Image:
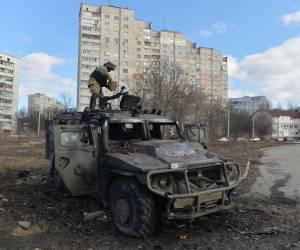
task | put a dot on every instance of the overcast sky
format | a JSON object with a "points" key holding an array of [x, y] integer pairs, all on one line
{"points": [[260, 37]]}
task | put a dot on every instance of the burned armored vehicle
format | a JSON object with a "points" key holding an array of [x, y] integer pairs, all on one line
{"points": [[143, 167]]}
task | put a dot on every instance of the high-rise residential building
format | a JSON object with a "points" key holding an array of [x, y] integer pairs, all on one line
{"points": [[9, 92], [41, 103], [109, 33], [249, 104]]}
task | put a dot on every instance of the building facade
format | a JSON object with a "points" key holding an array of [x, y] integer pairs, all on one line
{"points": [[44, 104], [109, 33], [249, 104], [9, 92], [285, 124]]}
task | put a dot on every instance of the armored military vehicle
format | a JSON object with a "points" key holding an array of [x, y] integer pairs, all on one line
{"points": [[143, 167]]}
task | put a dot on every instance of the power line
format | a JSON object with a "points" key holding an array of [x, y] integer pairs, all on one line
{"points": [[43, 42]]}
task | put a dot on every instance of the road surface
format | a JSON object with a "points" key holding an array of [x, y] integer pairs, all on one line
{"points": [[280, 174]]}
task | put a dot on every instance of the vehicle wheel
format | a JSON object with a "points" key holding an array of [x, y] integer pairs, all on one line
{"points": [[133, 208]]}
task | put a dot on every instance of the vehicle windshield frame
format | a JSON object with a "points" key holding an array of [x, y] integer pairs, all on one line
{"points": [[127, 121], [164, 123]]}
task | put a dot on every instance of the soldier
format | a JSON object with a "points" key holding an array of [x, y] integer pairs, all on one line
{"points": [[99, 78]]}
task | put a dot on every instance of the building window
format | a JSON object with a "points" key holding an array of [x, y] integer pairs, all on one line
{"points": [[96, 14], [125, 70], [126, 19], [107, 16], [126, 26]]}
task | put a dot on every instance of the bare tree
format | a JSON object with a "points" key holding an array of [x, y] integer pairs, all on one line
{"points": [[67, 101], [240, 124], [21, 119], [263, 124], [163, 86], [166, 87]]}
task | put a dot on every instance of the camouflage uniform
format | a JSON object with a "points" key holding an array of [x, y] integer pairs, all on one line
{"points": [[100, 78]]}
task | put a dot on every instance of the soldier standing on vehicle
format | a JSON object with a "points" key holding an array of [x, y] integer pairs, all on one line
{"points": [[99, 78]]}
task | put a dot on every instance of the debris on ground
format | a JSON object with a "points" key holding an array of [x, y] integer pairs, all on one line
{"points": [[24, 224], [94, 215], [57, 218], [183, 236], [21, 232], [268, 230], [23, 174]]}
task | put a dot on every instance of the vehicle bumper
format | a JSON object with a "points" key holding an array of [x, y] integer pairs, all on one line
{"points": [[195, 204]]}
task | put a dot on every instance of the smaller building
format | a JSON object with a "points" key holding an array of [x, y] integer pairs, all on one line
{"points": [[249, 104], [42, 103], [285, 124]]}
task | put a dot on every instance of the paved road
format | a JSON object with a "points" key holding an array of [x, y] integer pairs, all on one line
{"points": [[280, 174]]}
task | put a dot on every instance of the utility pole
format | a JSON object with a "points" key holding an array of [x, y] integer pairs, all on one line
{"points": [[228, 123], [252, 126], [39, 122]]}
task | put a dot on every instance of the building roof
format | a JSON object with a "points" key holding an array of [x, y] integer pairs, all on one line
{"points": [[247, 97], [1, 53], [281, 112], [104, 5]]}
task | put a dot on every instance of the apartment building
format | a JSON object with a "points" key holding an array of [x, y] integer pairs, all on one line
{"points": [[249, 104], [109, 33], [42, 103], [9, 92], [285, 124]]}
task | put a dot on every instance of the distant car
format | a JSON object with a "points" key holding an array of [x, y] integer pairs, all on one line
{"points": [[284, 139], [223, 139], [241, 139], [255, 139]]}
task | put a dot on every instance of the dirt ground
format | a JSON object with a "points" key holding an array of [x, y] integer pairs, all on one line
{"points": [[26, 194]]}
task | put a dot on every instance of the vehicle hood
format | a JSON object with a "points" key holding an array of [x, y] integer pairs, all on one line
{"points": [[162, 154], [173, 152]]}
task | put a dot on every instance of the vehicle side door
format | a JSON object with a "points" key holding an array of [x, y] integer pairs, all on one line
{"points": [[76, 157]]}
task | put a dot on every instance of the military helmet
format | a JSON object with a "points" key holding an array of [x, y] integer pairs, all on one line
{"points": [[110, 65]]}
